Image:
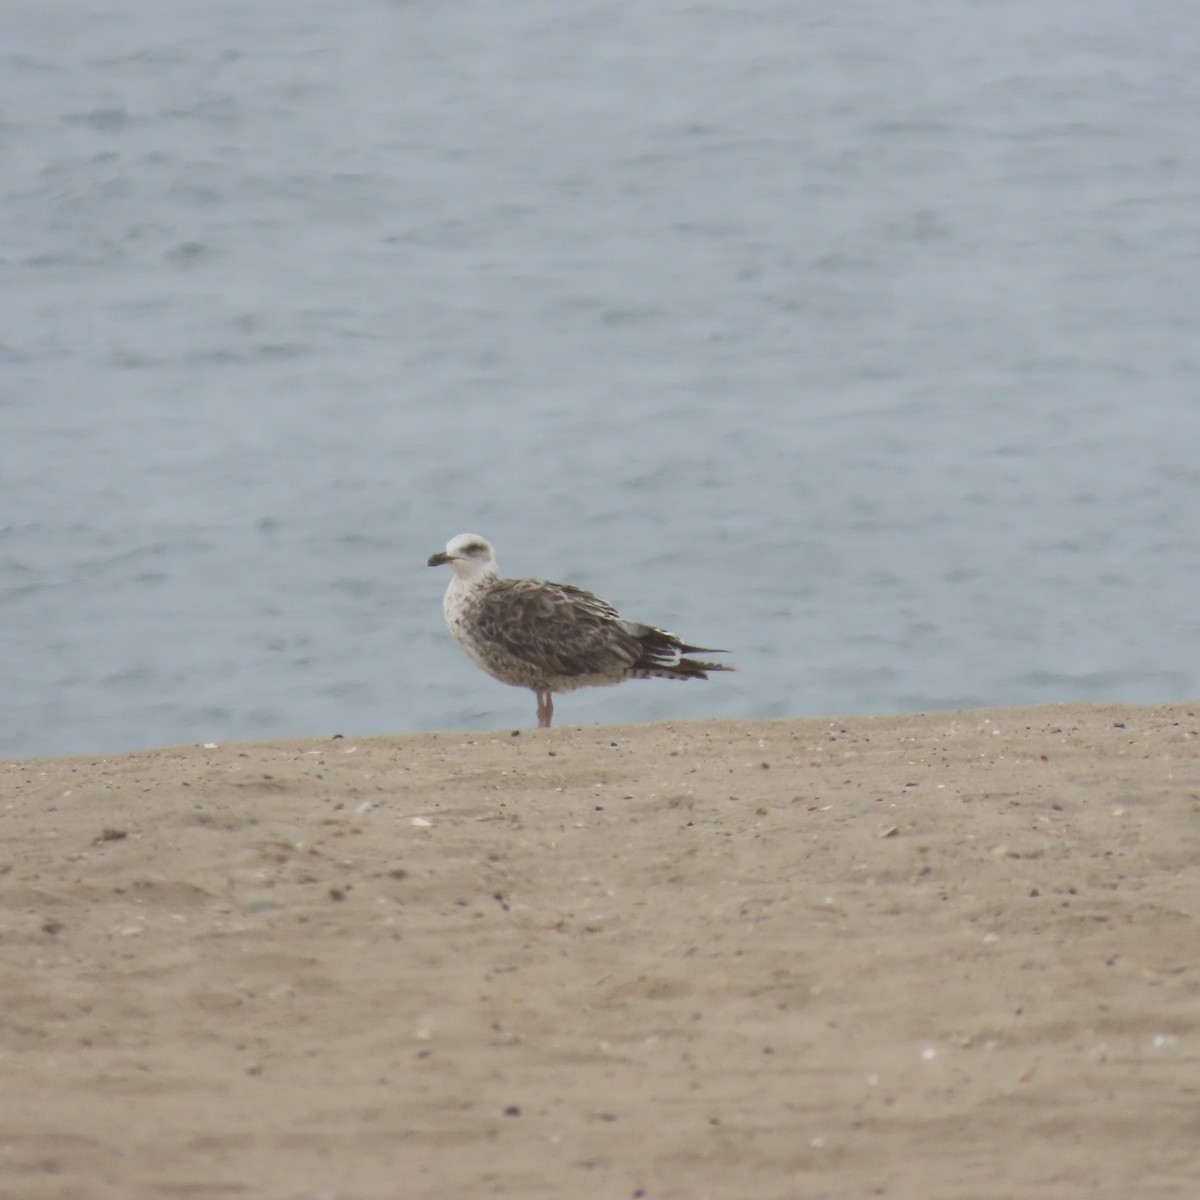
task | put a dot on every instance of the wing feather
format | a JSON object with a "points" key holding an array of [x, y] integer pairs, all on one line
{"points": [[560, 628]]}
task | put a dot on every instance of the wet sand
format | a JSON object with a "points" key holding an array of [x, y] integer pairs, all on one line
{"points": [[949, 956]]}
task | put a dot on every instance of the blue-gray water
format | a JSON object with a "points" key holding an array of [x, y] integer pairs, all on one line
{"points": [[863, 339]]}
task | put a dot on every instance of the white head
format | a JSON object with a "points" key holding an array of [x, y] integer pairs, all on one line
{"points": [[469, 556]]}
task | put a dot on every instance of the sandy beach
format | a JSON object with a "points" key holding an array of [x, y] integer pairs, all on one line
{"points": [[948, 956]]}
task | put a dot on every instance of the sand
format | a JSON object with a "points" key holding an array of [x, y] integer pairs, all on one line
{"points": [[950, 955]]}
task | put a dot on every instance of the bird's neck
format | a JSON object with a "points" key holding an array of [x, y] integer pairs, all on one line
{"points": [[473, 581]]}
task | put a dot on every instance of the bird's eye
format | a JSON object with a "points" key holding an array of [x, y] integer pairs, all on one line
{"points": [[474, 548]]}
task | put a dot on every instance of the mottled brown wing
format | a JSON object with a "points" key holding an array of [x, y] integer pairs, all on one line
{"points": [[562, 629]]}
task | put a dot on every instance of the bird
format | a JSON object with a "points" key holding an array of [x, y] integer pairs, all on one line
{"points": [[552, 637]]}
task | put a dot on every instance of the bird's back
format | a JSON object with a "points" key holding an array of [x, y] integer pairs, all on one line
{"points": [[534, 632]]}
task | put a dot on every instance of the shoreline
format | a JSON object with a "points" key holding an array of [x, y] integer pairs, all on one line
{"points": [[296, 740]]}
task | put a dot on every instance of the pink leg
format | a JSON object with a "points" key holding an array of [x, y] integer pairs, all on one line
{"points": [[545, 709]]}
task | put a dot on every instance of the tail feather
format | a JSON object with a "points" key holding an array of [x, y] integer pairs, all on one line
{"points": [[690, 668], [662, 657]]}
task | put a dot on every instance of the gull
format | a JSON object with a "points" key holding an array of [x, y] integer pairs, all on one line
{"points": [[552, 637]]}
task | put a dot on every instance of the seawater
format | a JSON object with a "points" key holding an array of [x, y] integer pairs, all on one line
{"points": [[860, 339]]}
